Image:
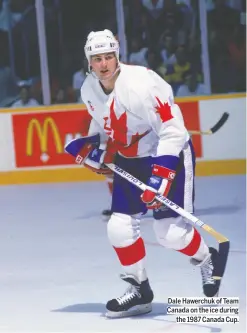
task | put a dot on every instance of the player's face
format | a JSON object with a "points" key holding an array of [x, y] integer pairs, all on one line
{"points": [[104, 65]]}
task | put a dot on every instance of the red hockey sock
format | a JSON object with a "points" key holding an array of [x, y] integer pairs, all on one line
{"points": [[193, 246], [110, 185], [130, 255]]}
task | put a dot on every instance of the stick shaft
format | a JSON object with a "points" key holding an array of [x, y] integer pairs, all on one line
{"points": [[200, 132], [124, 174]]}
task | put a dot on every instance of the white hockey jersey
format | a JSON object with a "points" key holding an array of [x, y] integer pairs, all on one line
{"points": [[139, 115]]}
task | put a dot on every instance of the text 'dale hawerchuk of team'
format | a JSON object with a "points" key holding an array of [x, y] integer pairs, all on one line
{"points": [[204, 309]]}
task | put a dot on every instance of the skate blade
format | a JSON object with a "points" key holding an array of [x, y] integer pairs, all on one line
{"points": [[135, 311]]}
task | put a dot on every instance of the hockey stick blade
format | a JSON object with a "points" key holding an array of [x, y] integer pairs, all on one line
{"points": [[224, 243], [220, 267], [213, 129], [220, 123]]}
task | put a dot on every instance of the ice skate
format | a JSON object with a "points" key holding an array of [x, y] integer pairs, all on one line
{"points": [[210, 285], [135, 301], [106, 214]]}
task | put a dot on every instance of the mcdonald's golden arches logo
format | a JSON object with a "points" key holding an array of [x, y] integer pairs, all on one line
{"points": [[42, 132]]}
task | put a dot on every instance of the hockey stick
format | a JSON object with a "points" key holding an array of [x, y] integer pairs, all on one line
{"points": [[224, 243], [213, 129], [74, 147]]}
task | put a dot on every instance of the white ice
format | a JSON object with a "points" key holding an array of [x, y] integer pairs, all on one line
{"points": [[57, 269]]}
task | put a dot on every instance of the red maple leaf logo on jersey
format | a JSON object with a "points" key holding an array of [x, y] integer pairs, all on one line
{"points": [[118, 141], [164, 110], [119, 126], [128, 151]]}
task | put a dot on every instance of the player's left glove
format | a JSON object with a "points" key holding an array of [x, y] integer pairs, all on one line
{"points": [[160, 182]]}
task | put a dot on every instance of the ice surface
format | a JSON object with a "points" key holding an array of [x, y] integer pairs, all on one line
{"points": [[58, 269]]}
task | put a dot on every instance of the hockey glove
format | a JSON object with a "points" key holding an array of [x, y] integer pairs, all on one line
{"points": [[96, 160], [160, 182], [86, 152]]}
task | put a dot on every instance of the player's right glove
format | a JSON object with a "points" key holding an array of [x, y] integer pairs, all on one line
{"points": [[96, 160], [88, 152]]}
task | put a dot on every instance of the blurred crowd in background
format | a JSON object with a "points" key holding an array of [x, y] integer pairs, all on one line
{"points": [[163, 35]]}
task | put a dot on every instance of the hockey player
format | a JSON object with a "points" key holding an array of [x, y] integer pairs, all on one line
{"points": [[134, 115]]}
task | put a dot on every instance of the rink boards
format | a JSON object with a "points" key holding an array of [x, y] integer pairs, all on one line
{"points": [[32, 140]]}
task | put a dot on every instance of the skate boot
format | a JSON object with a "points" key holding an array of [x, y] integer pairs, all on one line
{"points": [[106, 214], [135, 301], [210, 285]]}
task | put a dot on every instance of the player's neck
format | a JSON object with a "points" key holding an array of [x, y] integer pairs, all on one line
{"points": [[108, 85]]}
